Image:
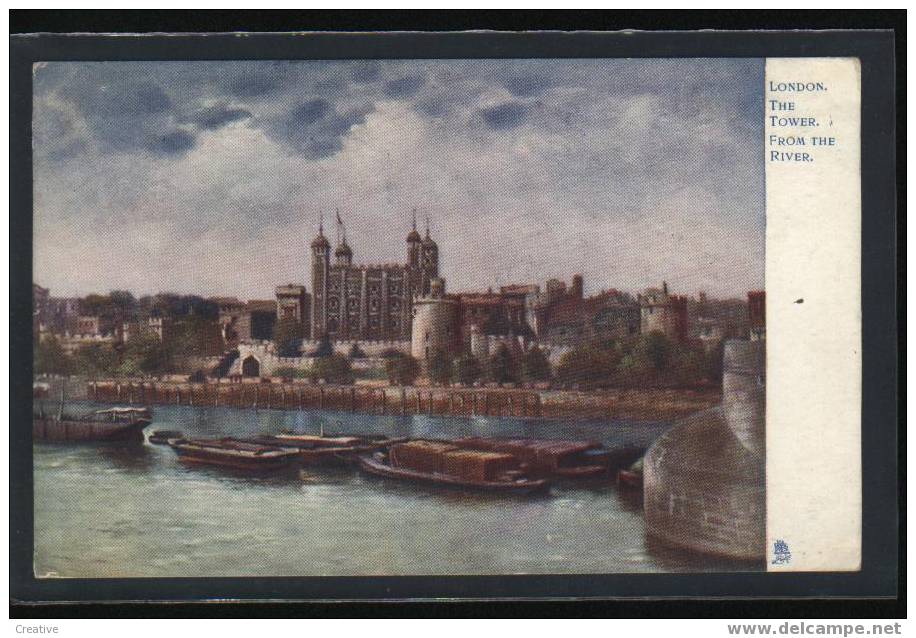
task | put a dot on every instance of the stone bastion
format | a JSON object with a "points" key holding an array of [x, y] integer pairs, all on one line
{"points": [[705, 480]]}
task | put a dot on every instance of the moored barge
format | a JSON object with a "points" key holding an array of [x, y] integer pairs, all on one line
{"points": [[440, 463], [162, 437], [549, 458], [324, 450], [112, 424], [235, 454]]}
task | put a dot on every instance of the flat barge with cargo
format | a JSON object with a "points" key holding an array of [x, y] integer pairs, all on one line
{"points": [[440, 463]]}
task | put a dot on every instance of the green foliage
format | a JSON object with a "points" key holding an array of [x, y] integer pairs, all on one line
{"points": [[589, 365], [657, 348], [288, 372], [95, 360], [535, 366], [440, 367], [645, 360], [689, 366], [375, 374], [48, 357], [467, 369], [333, 369], [144, 353], [324, 349], [288, 337], [402, 369], [194, 336], [501, 367], [356, 352]]}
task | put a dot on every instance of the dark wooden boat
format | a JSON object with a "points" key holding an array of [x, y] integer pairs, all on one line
{"points": [[549, 458], [513, 485], [230, 453], [112, 424], [441, 463], [325, 450], [161, 437]]}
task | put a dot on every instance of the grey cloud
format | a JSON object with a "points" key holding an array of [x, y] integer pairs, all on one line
{"points": [[54, 135], [315, 129], [405, 86], [366, 72], [173, 143], [527, 85], [504, 116], [125, 115], [216, 117], [253, 85]]}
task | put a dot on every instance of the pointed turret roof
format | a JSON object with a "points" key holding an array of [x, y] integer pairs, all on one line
{"points": [[321, 241], [413, 236]]}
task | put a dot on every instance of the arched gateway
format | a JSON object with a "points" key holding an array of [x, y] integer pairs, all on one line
{"points": [[251, 367]]}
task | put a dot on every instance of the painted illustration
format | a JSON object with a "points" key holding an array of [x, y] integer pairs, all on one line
{"points": [[414, 317]]}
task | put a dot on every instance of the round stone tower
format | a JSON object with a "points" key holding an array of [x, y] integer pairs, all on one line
{"points": [[744, 393], [435, 323], [704, 480]]}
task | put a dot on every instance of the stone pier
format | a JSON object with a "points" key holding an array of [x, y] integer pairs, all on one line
{"points": [[705, 479]]}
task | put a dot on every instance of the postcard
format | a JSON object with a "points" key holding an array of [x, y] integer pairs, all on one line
{"points": [[446, 317]]}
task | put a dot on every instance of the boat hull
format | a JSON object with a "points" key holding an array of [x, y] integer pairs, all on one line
{"points": [[628, 478], [269, 462], [67, 430], [378, 468]]}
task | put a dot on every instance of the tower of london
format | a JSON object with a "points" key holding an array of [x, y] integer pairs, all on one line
{"points": [[368, 302]]}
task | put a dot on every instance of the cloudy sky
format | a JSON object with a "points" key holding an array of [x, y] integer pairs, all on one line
{"points": [[208, 177]]}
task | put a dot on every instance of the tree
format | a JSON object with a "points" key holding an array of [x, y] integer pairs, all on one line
{"points": [[535, 366], [95, 360], [356, 352], [689, 366], [288, 337], [589, 365], [439, 367], [144, 353], [324, 349], [467, 369], [634, 369], [49, 357], [657, 348], [288, 372], [501, 365], [402, 369], [333, 369]]}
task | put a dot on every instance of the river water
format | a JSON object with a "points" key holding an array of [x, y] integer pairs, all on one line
{"points": [[106, 510]]}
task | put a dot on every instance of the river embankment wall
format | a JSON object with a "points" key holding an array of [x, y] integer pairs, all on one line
{"points": [[649, 404]]}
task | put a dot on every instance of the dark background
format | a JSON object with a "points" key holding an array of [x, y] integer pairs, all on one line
{"points": [[875, 588]]}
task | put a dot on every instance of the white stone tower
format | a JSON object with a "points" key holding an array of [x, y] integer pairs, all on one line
{"points": [[435, 323]]}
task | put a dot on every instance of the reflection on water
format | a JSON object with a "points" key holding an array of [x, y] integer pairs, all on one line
{"points": [[134, 510]]}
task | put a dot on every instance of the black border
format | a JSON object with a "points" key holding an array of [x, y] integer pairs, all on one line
{"points": [[879, 287]]}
